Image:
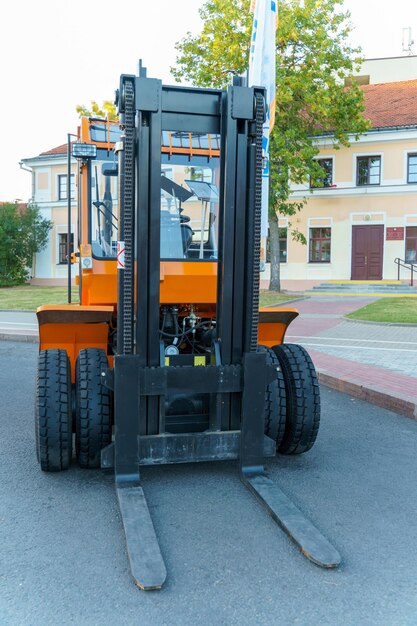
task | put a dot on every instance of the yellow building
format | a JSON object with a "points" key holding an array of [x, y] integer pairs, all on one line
{"points": [[357, 220], [50, 194], [363, 214]]}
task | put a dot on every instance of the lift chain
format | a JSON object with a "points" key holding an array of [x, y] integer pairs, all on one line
{"points": [[129, 211], [259, 121]]}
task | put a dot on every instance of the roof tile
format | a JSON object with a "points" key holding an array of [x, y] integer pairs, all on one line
{"points": [[58, 150], [391, 104]]}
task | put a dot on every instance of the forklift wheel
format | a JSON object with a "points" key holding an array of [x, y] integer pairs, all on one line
{"points": [[275, 400], [93, 429], [53, 427], [303, 399]]}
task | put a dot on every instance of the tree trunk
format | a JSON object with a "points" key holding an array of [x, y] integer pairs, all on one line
{"points": [[275, 279]]}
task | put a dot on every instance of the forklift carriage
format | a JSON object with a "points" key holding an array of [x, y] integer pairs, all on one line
{"points": [[180, 365]]}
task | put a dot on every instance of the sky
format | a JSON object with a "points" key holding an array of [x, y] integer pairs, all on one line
{"points": [[56, 54]]}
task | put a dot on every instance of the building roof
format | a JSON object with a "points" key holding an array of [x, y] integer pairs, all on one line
{"points": [[389, 105], [56, 151]]}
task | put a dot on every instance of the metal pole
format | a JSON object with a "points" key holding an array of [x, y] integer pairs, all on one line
{"points": [[69, 214]]}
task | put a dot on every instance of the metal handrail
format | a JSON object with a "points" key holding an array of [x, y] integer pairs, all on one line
{"points": [[409, 265]]}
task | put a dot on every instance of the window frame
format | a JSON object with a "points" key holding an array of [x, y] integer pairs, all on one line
{"points": [[281, 249], [412, 238], [368, 157], [330, 185], [321, 239], [63, 247], [411, 182], [61, 178], [282, 239], [199, 172]]}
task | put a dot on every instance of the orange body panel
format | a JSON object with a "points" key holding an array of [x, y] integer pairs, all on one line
{"points": [[181, 283], [100, 285], [62, 326], [188, 282], [273, 324]]}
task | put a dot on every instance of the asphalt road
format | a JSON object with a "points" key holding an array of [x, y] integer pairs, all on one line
{"points": [[63, 557]]}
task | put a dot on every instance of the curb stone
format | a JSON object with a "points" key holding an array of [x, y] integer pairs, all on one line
{"points": [[15, 337], [279, 304], [398, 404], [400, 324]]}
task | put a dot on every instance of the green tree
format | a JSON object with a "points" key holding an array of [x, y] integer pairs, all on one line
{"points": [[107, 110], [313, 60], [23, 232]]}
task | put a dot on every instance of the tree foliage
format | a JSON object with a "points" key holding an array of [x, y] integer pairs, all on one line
{"points": [[107, 110], [313, 59], [221, 48], [23, 232]]}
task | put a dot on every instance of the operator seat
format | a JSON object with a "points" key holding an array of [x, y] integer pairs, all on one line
{"points": [[187, 237]]}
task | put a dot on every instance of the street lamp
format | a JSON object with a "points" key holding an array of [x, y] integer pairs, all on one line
{"points": [[69, 212], [81, 152]]}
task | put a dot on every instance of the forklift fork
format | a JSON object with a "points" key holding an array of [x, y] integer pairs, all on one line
{"points": [[146, 562], [252, 472]]}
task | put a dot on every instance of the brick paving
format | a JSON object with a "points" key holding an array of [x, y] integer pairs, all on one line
{"points": [[373, 361]]}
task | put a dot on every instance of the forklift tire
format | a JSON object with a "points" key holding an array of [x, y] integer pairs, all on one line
{"points": [[93, 414], [303, 399], [275, 400], [53, 420]]}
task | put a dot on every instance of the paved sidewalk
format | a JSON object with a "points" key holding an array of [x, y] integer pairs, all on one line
{"points": [[18, 325], [374, 362]]}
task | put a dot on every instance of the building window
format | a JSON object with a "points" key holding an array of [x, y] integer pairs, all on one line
{"points": [[325, 179], [412, 168], [411, 244], [368, 170], [320, 245], [201, 173], [282, 246], [167, 171], [62, 187], [62, 248]]}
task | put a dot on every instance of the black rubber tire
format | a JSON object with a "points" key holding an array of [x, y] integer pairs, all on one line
{"points": [[93, 430], [53, 421], [303, 399], [275, 400]]}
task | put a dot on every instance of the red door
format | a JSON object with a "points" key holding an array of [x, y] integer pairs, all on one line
{"points": [[367, 252]]}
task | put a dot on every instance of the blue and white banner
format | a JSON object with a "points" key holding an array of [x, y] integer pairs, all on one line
{"points": [[262, 69]]}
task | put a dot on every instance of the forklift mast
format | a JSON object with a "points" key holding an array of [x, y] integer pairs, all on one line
{"points": [[228, 388]]}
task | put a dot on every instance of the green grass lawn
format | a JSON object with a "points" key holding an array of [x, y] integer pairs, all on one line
{"points": [[29, 297], [269, 298], [388, 310]]}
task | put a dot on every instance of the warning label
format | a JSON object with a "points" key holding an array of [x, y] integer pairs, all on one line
{"points": [[120, 255]]}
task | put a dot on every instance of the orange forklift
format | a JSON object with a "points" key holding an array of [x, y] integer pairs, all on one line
{"points": [[168, 357]]}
